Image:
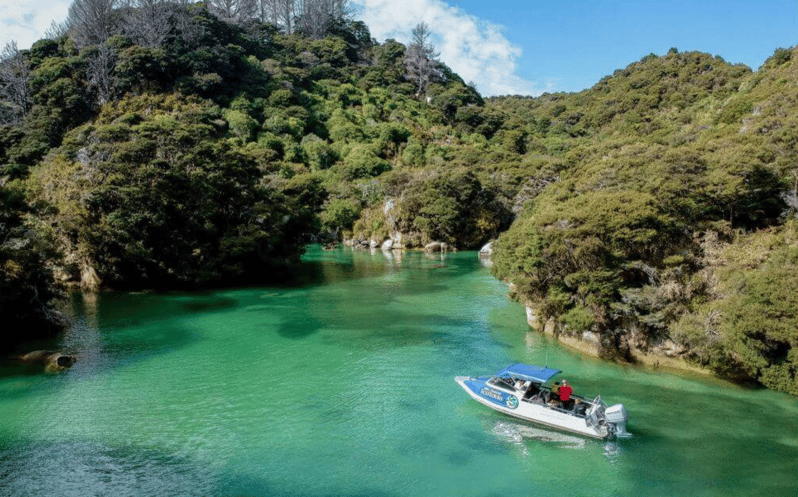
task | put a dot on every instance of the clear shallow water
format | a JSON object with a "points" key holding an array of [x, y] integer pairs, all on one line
{"points": [[341, 384]]}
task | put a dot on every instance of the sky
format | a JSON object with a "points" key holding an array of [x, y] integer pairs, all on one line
{"points": [[527, 47]]}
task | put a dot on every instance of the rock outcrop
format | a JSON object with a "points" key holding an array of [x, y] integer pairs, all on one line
{"points": [[52, 360]]}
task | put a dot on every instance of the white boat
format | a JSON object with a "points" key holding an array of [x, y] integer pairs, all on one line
{"points": [[520, 391]]}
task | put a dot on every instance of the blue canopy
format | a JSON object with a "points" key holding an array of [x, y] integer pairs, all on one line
{"points": [[529, 372]]}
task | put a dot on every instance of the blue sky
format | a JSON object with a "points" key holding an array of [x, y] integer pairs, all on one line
{"points": [[532, 46]]}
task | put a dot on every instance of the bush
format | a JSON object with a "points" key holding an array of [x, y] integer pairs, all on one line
{"points": [[361, 162]]}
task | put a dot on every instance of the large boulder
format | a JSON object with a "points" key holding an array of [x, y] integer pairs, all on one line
{"points": [[89, 279]]}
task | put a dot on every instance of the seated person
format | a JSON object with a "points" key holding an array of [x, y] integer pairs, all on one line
{"points": [[553, 395], [531, 391], [579, 407]]}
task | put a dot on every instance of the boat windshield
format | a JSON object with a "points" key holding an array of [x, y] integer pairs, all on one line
{"points": [[503, 381]]}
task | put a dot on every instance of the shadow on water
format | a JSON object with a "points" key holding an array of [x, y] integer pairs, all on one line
{"points": [[102, 337], [360, 328], [112, 310], [251, 486]]}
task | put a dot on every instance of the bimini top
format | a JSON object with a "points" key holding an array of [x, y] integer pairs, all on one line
{"points": [[529, 372]]}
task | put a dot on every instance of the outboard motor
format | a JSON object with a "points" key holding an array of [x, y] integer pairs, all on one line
{"points": [[618, 416]]}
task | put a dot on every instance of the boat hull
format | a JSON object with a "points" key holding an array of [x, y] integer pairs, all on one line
{"points": [[510, 404]]}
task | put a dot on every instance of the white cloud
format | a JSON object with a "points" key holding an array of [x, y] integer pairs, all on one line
{"points": [[26, 21], [475, 49]]}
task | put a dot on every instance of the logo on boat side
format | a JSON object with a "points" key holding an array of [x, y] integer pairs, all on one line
{"points": [[493, 394], [512, 402]]}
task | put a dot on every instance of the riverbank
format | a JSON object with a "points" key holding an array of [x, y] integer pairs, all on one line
{"points": [[588, 343]]}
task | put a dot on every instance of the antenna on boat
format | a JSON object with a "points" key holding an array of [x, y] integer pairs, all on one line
{"points": [[547, 354]]}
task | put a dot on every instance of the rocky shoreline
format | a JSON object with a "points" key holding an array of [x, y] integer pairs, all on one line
{"points": [[663, 355]]}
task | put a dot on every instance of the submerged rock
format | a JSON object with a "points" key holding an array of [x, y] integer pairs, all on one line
{"points": [[52, 360]]}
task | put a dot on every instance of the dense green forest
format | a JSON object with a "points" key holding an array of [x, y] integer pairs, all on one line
{"points": [[655, 210]]}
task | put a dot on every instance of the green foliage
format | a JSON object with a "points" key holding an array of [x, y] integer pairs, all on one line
{"points": [[241, 125], [734, 111], [640, 167], [162, 202], [450, 206], [222, 153], [27, 293], [319, 153], [578, 319], [361, 162], [750, 333], [340, 214]]}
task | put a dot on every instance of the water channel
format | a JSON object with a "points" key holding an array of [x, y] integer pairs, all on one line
{"points": [[341, 384]]}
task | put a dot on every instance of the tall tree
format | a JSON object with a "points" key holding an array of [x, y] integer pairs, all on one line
{"points": [[282, 13], [315, 16], [92, 21], [100, 73], [421, 61], [147, 22], [236, 11], [15, 92], [183, 21]]}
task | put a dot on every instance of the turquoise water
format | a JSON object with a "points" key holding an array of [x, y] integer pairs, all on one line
{"points": [[341, 384]]}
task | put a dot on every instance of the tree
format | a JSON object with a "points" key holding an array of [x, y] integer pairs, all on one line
{"points": [[236, 11], [183, 21], [56, 30], [15, 92], [279, 12], [92, 21], [316, 16], [100, 73], [147, 22], [421, 61]]}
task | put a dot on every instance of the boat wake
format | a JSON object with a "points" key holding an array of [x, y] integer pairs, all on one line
{"points": [[518, 433]]}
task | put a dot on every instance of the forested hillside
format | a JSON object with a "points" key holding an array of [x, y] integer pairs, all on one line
{"points": [[663, 216], [174, 145]]}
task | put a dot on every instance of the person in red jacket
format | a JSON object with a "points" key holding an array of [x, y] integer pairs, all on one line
{"points": [[565, 391]]}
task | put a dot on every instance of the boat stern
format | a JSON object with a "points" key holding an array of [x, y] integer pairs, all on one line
{"points": [[617, 416]]}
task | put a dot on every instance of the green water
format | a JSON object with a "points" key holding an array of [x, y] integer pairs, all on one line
{"points": [[341, 384]]}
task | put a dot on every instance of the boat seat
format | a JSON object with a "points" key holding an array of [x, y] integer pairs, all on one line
{"points": [[531, 391]]}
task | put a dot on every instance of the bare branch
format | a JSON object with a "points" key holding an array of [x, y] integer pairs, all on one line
{"points": [[56, 30], [92, 21], [237, 11], [147, 22], [100, 73], [15, 92]]}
